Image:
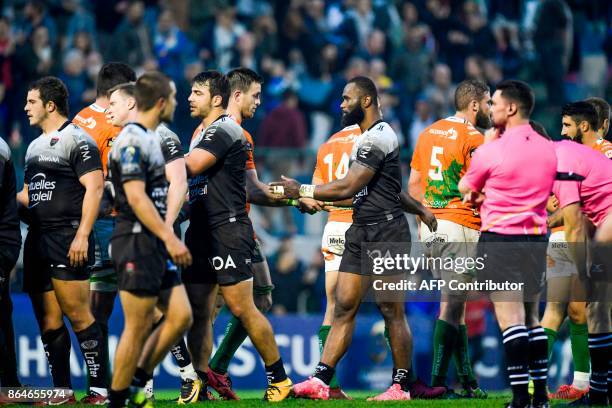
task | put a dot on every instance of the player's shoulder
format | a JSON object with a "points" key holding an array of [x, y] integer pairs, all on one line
{"points": [[74, 135], [166, 133], [225, 125], [606, 148], [346, 135], [132, 134], [248, 136], [382, 135]]}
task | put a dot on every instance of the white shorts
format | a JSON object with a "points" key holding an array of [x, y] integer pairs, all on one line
{"points": [[559, 262], [332, 244], [459, 241]]}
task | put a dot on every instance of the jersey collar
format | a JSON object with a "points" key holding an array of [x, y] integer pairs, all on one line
{"points": [[66, 123], [376, 122], [139, 125]]}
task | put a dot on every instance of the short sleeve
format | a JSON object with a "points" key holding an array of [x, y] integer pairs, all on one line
{"points": [[85, 156], [567, 192], [415, 163], [131, 163], [479, 170], [372, 151], [215, 140], [171, 146]]}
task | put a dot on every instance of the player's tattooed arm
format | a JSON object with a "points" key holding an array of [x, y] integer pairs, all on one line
{"points": [[412, 206], [177, 190], [576, 235], [93, 182], [357, 178], [146, 212]]}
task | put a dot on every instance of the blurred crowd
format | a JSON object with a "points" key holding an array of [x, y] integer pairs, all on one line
{"points": [[415, 50]]}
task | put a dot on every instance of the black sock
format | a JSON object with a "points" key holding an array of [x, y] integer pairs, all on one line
{"points": [[276, 372], [94, 351], [104, 330], [324, 372], [600, 347], [140, 378], [118, 399], [538, 362], [516, 346], [203, 376], [400, 376], [181, 354], [8, 363], [57, 348]]}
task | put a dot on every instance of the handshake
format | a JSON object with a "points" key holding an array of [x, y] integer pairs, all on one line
{"points": [[298, 195]]}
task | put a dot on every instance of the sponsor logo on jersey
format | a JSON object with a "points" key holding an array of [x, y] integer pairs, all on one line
{"points": [[49, 159], [89, 344], [362, 193], [449, 133], [40, 189], [198, 187], [53, 141]]}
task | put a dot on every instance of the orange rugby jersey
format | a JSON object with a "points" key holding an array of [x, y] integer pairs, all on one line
{"points": [[603, 146], [333, 164], [92, 120], [442, 156]]}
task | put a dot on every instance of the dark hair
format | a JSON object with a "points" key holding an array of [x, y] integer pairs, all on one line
{"points": [[366, 86], [52, 89], [242, 78], [603, 109], [112, 74], [149, 88], [520, 93], [469, 90], [581, 111], [539, 129], [218, 84], [128, 88]]}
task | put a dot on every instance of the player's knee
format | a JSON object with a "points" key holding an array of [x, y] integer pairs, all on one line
{"points": [[389, 311], [344, 309], [576, 311], [79, 319]]}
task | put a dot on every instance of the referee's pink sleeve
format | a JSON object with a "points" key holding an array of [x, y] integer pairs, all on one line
{"points": [[479, 170]]}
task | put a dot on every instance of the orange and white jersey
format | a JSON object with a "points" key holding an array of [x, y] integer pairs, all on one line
{"points": [[92, 120], [442, 155], [603, 146], [333, 163]]}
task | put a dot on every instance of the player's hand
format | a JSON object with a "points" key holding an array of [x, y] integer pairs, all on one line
{"points": [[430, 220], [290, 188], [178, 252], [309, 205], [475, 198], [77, 254], [263, 302]]}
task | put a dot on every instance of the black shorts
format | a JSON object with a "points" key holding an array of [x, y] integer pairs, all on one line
{"points": [[45, 256], [381, 236], [142, 264], [514, 259], [222, 255], [8, 258]]}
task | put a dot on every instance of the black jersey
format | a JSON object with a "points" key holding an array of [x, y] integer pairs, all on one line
{"points": [[137, 155], [53, 165], [378, 149], [10, 233], [170, 144], [218, 196]]}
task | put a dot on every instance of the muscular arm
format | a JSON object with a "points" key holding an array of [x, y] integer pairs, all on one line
{"points": [[258, 193], [413, 206], [576, 236], [177, 190], [414, 185], [198, 161]]}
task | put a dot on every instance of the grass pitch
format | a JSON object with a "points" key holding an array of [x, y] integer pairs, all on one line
{"points": [[164, 398]]}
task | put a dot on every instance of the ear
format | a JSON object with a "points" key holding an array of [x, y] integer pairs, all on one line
{"points": [[474, 105], [131, 103], [237, 93], [366, 101], [50, 107], [512, 108], [161, 103], [584, 126], [217, 100]]}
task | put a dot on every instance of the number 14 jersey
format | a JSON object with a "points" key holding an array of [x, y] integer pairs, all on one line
{"points": [[442, 156]]}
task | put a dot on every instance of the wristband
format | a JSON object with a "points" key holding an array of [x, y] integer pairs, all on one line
{"points": [[292, 202], [328, 203], [307, 190], [262, 290]]}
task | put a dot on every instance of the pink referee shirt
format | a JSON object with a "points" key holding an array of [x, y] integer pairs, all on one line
{"points": [[516, 173], [594, 193]]}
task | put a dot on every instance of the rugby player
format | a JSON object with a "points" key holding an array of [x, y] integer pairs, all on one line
{"points": [[147, 277], [441, 157], [62, 189], [516, 171], [589, 193], [221, 234], [10, 245], [374, 180], [121, 111], [579, 122]]}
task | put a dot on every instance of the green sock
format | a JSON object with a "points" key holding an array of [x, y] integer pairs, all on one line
{"points": [[445, 336], [552, 337], [235, 335], [412, 377], [323, 332], [461, 356], [579, 337]]}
